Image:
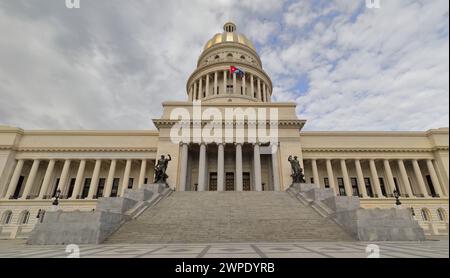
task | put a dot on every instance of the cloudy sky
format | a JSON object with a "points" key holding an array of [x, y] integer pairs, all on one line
{"points": [[110, 64]]}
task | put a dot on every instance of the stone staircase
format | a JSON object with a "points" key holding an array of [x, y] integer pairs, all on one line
{"points": [[199, 217]]}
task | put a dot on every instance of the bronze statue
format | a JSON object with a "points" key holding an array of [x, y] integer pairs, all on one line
{"points": [[297, 171], [160, 169]]}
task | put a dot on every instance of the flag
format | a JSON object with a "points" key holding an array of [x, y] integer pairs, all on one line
{"points": [[236, 70]]}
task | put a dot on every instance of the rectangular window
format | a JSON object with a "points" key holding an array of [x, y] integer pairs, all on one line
{"points": [[355, 189], [145, 180], [368, 185], [326, 182], [130, 183], [383, 187], [115, 187], [246, 181], [100, 187], [230, 89], [341, 186], [85, 192], [312, 180]]}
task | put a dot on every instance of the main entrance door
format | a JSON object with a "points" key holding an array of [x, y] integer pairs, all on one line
{"points": [[212, 181], [246, 181], [229, 181]]}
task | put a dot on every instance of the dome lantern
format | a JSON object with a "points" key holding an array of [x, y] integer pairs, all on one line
{"points": [[229, 27]]}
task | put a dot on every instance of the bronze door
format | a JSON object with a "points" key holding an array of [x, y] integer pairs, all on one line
{"points": [[246, 181], [229, 181], [213, 182]]}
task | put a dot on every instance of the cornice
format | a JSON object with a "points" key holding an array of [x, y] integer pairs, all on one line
{"points": [[371, 133], [81, 149], [169, 123], [404, 150], [228, 45], [93, 132]]}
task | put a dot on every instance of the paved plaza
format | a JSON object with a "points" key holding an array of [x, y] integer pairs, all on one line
{"points": [[428, 249]]}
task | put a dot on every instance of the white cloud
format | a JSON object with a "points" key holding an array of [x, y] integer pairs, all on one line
{"points": [[109, 65]]}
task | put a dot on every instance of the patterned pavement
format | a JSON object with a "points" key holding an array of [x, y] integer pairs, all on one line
{"points": [[428, 249]]}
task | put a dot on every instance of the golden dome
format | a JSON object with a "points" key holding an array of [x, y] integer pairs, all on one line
{"points": [[229, 35]]}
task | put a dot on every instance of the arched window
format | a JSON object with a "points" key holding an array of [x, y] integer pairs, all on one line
{"points": [[24, 217], [217, 57], [230, 55], [6, 217], [441, 214], [425, 215], [242, 57]]}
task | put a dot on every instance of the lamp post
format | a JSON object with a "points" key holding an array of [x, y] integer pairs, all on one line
{"points": [[412, 212], [397, 196]]}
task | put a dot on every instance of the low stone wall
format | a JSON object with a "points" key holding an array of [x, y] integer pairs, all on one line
{"points": [[93, 227], [395, 224]]}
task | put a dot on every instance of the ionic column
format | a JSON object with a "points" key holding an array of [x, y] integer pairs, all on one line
{"points": [[234, 84], [220, 167], [360, 177], [126, 177], [79, 180], [275, 169], [434, 178], [419, 178], [315, 172], [200, 88], [207, 85], [47, 177], [252, 86], [64, 176], [331, 176], [347, 186], [239, 186], [184, 162], [30, 180], [376, 180], [263, 98], [195, 94], [202, 168], [94, 180], [257, 167], [243, 85], [142, 173], [110, 179], [14, 179], [190, 94], [405, 180], [389, 176], [215, 83], [224, 81], [259, 89]]}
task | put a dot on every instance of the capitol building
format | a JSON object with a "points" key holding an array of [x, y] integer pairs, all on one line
{"points": [[85, 165]]}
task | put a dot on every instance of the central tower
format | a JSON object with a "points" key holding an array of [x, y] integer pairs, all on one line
{"points": [[229, 69]]}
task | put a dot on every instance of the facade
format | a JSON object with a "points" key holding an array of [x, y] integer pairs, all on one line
{"points": [[86, 165]]}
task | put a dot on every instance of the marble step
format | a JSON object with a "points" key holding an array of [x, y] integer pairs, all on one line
{"points": [[229, 217]]}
